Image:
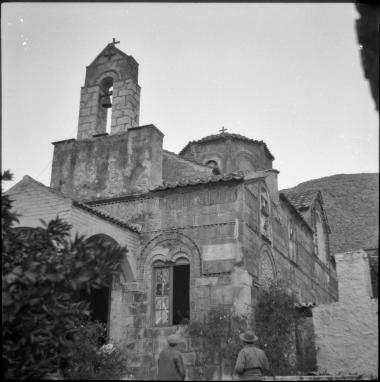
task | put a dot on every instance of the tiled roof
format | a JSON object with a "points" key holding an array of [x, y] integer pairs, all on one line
{"points": [[29, 179], [105, 216], [301, 200], [285, 198], [177, 156], [215, 137], [236, 175]]}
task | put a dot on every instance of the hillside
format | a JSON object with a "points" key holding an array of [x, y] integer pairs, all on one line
{"points": [[352, 205]]}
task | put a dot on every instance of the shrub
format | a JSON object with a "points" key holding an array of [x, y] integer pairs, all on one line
{"points": [[220, 332], [43, 273], [275, 326], [95, 362]]}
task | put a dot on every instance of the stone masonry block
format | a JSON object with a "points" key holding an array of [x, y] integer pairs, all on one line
{"points": [[125, 92], [222, 294], [202, 304], [206, 281], [201, 292], [189, 358], [123, 120]]}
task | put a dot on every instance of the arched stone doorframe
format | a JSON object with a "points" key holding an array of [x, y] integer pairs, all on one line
{"points": [[126, 273], [168, 247]]}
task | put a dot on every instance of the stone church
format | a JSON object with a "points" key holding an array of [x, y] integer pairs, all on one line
{"points": [[203, 227]]}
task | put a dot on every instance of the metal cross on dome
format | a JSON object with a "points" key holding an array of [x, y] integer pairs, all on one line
{"points": [[223, 130], [109, 53]]}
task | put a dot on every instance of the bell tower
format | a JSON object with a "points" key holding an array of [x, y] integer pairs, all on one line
{"points": [[111, 87]]}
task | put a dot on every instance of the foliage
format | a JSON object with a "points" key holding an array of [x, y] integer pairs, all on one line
{"points": [[275, 324], [94, 362], [43, 273], [220, 332]]}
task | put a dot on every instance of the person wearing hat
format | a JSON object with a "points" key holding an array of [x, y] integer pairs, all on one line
{"points": [[251, 361], [170, 361]]}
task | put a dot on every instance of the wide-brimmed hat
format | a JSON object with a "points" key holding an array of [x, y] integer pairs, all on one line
{"points": [[174, 339], [248, 336]]}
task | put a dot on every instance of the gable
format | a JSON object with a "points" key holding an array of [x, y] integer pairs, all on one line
{"points": [[110, 52], [35, 201]]}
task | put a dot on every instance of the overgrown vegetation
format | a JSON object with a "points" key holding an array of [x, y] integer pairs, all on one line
{"points": [[45, 323], [274, 323], [220, 337], [275, 326], [95, 362]]}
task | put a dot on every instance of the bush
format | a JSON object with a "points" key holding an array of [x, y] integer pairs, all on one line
{"points": [[95, 362], [43, 274], [220, 332], [275, 327]]}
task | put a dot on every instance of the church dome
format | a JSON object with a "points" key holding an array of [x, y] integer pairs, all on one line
{"points": [[228, 152]]}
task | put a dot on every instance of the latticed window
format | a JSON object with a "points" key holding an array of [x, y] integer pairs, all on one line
{"points": [[171, 292]]}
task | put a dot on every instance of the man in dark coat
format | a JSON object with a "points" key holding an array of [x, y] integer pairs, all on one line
{"points": [[170, 361], [251, 361]]}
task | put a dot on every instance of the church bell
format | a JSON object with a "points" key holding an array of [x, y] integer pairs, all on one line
{"points": [[105, 100]]}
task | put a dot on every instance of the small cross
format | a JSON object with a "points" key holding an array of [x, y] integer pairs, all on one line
{"points": [[223, 130], [114, 42]]}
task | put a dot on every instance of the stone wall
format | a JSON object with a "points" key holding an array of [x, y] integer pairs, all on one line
{"points": [[217, 226], [202, 223], [347, 331], [109, 166], [308, 277]]}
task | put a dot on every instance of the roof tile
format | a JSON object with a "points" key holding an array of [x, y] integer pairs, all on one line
{"points": [[238, 175]]}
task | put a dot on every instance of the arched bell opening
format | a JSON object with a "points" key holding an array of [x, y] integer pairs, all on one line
{"points": [[106, 91]]}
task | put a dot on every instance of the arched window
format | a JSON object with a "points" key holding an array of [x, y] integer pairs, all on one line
{"points": [[171, 291], [214, 165]]}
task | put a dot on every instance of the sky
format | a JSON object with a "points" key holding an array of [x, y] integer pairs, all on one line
{"points": [[287, 73]]}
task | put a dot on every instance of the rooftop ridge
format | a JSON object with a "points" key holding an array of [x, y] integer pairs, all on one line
{"points": [[229, 135]]}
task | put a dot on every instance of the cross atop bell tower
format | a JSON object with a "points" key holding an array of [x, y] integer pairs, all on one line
{"points": [[111, 91]]}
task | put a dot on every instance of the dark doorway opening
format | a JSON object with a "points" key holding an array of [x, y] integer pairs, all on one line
{"points": [[98, 301], [181, 289], [99, 304]]}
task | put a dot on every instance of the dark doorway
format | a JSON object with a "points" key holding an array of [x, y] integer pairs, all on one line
{"points": [[99, 303], [181, 288]]}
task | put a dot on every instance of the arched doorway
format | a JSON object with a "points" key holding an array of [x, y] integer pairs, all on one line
{"points": [[100, 299]]}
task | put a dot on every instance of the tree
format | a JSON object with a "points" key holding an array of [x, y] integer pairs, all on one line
{"points": [[275, 325], [43, 273], [219, 332]]}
